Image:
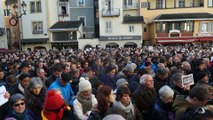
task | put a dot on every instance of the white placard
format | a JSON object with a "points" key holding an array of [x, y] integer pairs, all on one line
{"points": [[187, 79], [2, 98]]}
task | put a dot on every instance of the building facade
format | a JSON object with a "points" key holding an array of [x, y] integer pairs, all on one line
{"points": [[177, 21], [120, 23], [3, 35]]}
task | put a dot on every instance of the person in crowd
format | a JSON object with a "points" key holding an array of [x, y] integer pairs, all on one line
{"points": [[110, 78], [25, 69], [197, 113], [57, 70], [113, 117], [18, 108], [198, 66], [55, 108], [163, 104], [153, 66], [84, 101], [88, 72], [134, 81], [65, 88], [11, 83], [125, 106], [40, 73], [186, 67], [177, 86], [121, 82], [75, 79], [148, 68], [24, 80], [98, 68], [35, 94], [128, 71], [2, 77], [161, 78], [105, 98], [144, 96], [198, 96], [202, 77]]}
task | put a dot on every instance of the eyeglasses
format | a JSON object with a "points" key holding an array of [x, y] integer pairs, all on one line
{"points": [[18, 104]]}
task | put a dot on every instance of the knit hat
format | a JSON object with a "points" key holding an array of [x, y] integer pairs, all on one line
{"points": [[130, 67], [53, 101], [65, 77], [165, 92], [34, 83], [113, 117], [14, 98], [121, 82], [201, 75], [84, 85]]}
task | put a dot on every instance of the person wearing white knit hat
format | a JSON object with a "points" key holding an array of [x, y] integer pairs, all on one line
{"points": [[85, 100]]}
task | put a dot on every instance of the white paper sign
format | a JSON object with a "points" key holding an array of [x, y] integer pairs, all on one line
{"points": [[2, 98], [187, 79]]}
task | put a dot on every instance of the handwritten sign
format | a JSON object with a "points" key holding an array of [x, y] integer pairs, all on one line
{"points": [[187, 79], [2, 98]]}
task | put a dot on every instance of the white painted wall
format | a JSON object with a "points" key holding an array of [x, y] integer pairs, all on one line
{"points": [[83, 42], [3, 39], [118, 28], [27, 20]]}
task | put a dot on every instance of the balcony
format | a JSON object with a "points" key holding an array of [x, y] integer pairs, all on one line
{"points": [[131, 7], [111, 12]]}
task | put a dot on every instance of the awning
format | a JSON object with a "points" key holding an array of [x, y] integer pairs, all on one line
{"points": [[133, 19], [175, 41], [183, 17], [66, 26], [34, 40]]}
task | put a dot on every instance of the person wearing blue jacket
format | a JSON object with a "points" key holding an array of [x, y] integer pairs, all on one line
{"points": [[66, 90]]}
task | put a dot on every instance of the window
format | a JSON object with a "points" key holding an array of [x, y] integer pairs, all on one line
{"points": [[129, 2], [63, 8], [187, 26], [206, 27], [6, 12], [160, 4], [161, 27], [81, 3], [131, 28], [64, 36], [37, 27], [108, 27], [181, 3], [83, 20], [210, 3], [35, 6]]}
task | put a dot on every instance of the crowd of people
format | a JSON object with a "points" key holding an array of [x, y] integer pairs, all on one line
{"points": [[144, 83]]}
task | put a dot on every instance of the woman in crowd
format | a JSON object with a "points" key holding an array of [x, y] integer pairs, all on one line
{"points": [[35, 95], [84, 101], [105, 98], [55, 108], [18, 108], [124, 105]]}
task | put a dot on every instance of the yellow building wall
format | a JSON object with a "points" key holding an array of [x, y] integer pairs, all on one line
{"points": [[150, 15]]}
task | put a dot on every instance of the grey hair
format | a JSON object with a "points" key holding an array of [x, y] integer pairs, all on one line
{"points": [[185, 65], [143, 78], [176, 77], [35, 82]]}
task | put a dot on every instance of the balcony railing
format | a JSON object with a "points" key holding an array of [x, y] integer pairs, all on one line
{"points": [[111, 12], [132, 6], [204, 34]]}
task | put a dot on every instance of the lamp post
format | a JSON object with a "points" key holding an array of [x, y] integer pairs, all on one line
{"points": [[16, 14]]}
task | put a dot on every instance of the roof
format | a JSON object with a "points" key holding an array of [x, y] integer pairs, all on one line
{"points": [[133, 19], [183, 17], [35, 40], [65, 26]]}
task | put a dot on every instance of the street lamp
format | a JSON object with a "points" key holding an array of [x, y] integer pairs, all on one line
{"points": [[16, 14], [15, 8]]}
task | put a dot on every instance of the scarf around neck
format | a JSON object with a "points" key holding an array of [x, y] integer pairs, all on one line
{"points": [[85, 102], [126, 109]]}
